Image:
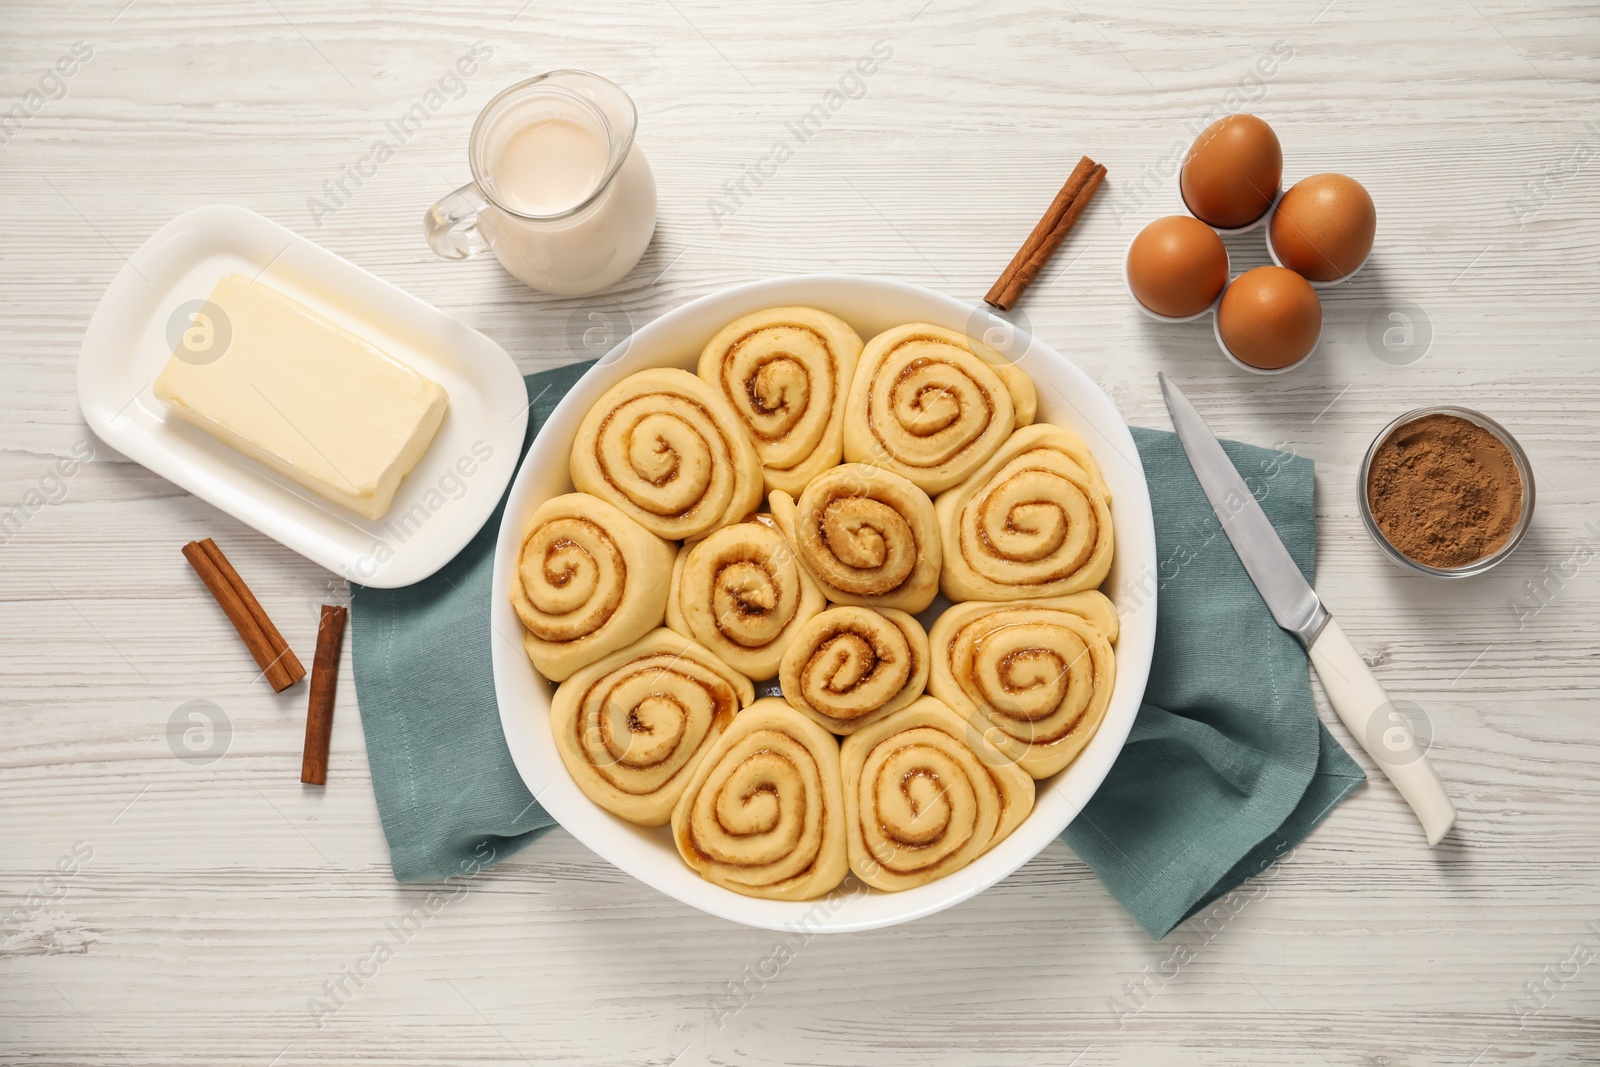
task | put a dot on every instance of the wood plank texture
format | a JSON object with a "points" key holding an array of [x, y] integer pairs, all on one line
{"points": [[210, 902]]}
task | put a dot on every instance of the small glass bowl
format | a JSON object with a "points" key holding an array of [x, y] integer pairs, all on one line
{"points": [[1518, 457]]}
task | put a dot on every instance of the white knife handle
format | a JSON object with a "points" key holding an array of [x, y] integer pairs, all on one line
{"points": [[1384, 732]]}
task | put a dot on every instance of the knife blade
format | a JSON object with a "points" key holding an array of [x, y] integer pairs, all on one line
{"points": [[1295, 606], [1382, 730]]}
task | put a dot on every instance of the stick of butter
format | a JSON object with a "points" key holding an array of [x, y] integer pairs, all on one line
{"points": [[262, 372]]}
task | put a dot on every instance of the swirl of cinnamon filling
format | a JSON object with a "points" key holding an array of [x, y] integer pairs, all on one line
{"points": [[742, 594], [763, 814], [931, 404], [784, 372], [1033, 678], [669, 452], [849, 667], [633, 727], [1033, 521], [868, 536], [586, 583], [924, 796]]}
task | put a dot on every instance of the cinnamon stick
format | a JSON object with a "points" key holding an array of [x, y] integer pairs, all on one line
{"points": [[324, 687], [267, 646], [1047, 234]]}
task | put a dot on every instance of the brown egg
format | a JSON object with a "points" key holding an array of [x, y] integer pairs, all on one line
{"points": [[1232, 171], [1323, 227], [1269, 318], [1177, 266]]}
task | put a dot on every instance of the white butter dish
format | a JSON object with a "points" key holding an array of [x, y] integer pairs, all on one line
{"points": [[439, 505]]}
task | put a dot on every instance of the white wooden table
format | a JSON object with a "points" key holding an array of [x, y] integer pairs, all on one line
{"points": [[208, 904]]}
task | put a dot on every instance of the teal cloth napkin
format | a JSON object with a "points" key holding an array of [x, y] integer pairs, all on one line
{"points": [[1227, 765], [449, 796]]}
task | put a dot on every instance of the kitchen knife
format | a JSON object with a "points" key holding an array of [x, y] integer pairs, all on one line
{"points": [[1355, 694]]}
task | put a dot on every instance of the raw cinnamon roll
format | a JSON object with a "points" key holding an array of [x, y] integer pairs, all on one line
{"points": [[669, 452], [785, 372], [1033, 678], [588, 582], [763, 814], [742, 594], [868, 536], [849, 666], [925, 795], [633, 727], [1033, 521], [932, 404]]}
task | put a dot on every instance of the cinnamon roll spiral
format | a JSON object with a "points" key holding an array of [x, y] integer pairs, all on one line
{"points": [[587, 583], [932, 404], [785, 372], [669, 452], [924, 796], [868, 536], [1033, 678], [742, 593], [849, 667], [633, 727], [763, 814], [1033, 521]]}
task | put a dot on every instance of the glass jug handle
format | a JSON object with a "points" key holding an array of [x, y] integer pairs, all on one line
{"points": [[451, 225]]}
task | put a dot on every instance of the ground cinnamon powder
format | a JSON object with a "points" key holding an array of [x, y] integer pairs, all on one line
{"points": [[1444, 491]]}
